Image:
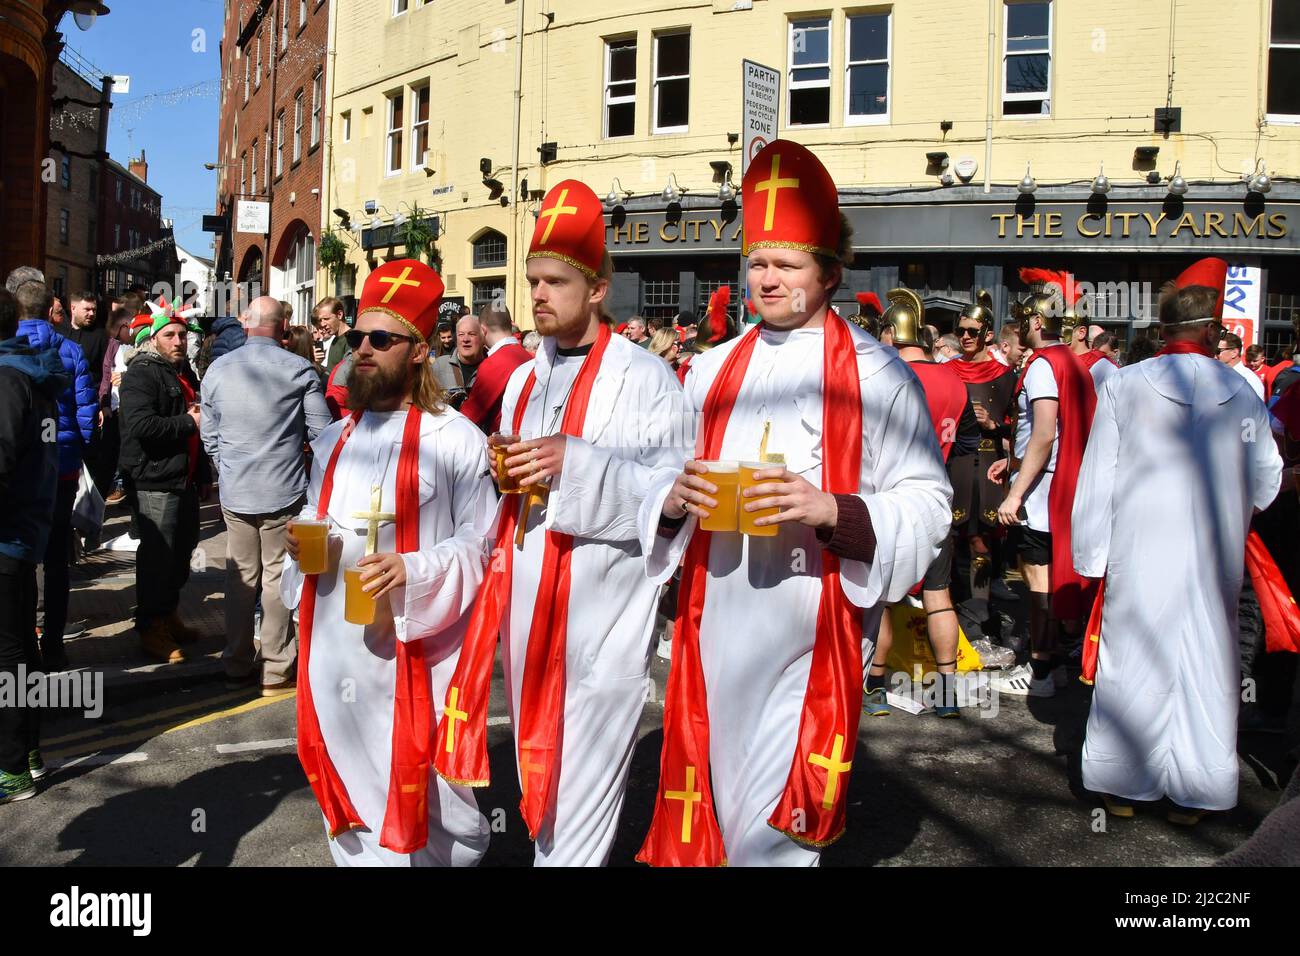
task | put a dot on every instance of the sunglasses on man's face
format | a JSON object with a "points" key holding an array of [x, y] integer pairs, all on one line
{"points": [[380, 340], [964, 332]]}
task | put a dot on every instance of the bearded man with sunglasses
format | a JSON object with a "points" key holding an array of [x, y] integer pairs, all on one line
{"points": [[402, 490]]}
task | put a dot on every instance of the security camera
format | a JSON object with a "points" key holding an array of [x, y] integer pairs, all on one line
{"points": [[372, 206]]}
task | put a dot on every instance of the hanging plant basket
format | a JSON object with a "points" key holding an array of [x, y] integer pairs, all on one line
{"points": [[331, 253]]}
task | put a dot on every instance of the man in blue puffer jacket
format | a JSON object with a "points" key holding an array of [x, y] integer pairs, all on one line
{"points": [[78, 408]]}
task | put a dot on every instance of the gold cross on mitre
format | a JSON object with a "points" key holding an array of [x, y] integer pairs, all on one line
{"points": [[772, 186], [396, 282], [374, 518], [834, 766], [559, 209], [689, 797]]}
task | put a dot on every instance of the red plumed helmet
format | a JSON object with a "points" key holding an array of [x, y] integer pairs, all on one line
{"points": [[1044, 280], [869, 304], [718, 303]]}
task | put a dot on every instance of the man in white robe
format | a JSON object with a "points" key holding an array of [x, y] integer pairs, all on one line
{"points": [[760, 615], [1179, 455], [422, 597], [630, 437]]}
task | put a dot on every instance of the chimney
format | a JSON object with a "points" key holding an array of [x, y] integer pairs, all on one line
{"points": [[139, 167]]}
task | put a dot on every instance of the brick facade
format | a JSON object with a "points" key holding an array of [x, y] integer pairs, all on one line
{"points": [[273, 59], [72, 237]]}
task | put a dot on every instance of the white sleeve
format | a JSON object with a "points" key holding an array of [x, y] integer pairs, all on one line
{"points": [[1092, 516], [910, 501], [443, 578], [603, 490], [1040, 382], [1267, 462], [290, 577]]}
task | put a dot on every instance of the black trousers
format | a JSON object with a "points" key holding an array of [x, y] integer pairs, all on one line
{"points": [[103, 463], [19, 726], [168, 525], [55, 568]]}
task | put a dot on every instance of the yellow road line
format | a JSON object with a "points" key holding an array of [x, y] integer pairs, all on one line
{"points": [[93, 746], [147, 718]]}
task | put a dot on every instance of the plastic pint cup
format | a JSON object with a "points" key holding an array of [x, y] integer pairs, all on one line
{"points": [[724, 474], [358, 606], [312, 538], [746, 524], [506, 483]]}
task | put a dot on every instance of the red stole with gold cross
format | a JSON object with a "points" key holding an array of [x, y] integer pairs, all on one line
{"points": [[462, 757], [406, 816], [684, 831]]}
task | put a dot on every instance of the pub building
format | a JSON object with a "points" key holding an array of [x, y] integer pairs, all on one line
{"points": [[947, 242]]}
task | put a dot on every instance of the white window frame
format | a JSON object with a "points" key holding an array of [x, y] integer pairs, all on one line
{"points": [[279, 144], [243, 174], [317, 85], [346, 118], [245, 58], [390, 132], [417, 154], [297, 126], [878, 119], [610, 100], [656, 79], [400, 7], [266, 156], [257, 66], [253, 165], [302, 13], [284, 30], [1278, 119], [1021, 97], [790, 67]]}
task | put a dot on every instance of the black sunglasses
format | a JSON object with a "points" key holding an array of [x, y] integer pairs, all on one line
{"points": [[963, 332], [380, 340]]}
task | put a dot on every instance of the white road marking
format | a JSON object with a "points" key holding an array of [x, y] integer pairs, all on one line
{"points": [[97, 760], [257, 745]]}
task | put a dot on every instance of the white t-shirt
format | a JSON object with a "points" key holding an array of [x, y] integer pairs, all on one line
{"points": [[1039, 383], [1101, 370], [1255, 382]]}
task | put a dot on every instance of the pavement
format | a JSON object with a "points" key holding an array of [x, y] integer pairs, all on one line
{"points": [[178, 770]]}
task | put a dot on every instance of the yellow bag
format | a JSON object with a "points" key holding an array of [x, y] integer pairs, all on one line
{"points": [[911, 651]]}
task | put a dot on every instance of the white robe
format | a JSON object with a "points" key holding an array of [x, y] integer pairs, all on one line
{"points": [[352, 667], [760, 611], [1180, 452], [631, 440]]}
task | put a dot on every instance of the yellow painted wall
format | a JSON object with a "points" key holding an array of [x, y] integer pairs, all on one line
{"points": [[1110, 63]]}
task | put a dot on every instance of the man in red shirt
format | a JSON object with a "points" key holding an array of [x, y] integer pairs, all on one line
{"points": [[504, 355]]}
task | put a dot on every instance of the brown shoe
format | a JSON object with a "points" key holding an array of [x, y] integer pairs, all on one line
{"points": [[157, 642], [1185, 816], [180, 632], [279, 688], [116, 498]]}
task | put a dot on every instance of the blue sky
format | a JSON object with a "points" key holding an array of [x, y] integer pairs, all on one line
{"points": [[172, 109]]}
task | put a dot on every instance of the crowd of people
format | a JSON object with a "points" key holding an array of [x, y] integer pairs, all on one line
{"points": [[403, 495]]}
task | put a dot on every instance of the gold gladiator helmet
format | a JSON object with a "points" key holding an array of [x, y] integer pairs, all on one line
{"points": [[981, 310], [1053, 297], [906, 314]]}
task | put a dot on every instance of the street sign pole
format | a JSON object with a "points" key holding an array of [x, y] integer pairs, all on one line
{"points": [[760, 122]]}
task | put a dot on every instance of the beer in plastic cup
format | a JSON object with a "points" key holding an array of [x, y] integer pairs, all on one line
{"points": [[746, 524], [724, 474], [358, 606], [506, 483], [312, 539]]}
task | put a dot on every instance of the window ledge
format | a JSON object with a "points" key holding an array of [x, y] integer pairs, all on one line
{"points": [[867, 120]]}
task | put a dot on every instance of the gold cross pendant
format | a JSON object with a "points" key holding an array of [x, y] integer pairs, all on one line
{"points": [[374, 517]]}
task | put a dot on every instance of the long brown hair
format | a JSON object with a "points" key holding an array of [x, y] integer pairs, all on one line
{"points": [[427, 393], [297, 339]]}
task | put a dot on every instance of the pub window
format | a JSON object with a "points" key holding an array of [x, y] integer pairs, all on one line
{"points": [[866, 80], [620, 87], [1027, 60], [489, 250], [419, 126], [488, 291], [297, 127], [810, 72], [660, 298], [393, 143], [672, 86], [1284, 61], [706, 287]]}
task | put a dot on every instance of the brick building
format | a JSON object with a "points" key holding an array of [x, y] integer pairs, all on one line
{"points": [[134, 239], [29, 47], [78, 127], [272, 127]]}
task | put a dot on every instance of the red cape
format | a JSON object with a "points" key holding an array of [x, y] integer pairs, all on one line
{"points": [[945, 393], [1072, 595], [977, 373], [1092, 357], [483, 406]]}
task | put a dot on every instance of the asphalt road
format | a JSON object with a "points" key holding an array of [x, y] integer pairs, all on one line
{"points": [[188, 773]]}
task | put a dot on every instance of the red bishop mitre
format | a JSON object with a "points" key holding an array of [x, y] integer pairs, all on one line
{"points": [[406, 289], [790, 201], [1211, 273], [571, 227]]}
